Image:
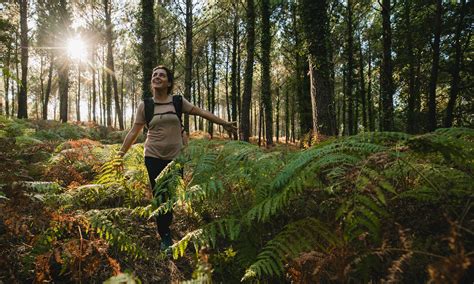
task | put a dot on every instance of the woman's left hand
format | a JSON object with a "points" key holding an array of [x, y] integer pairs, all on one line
{"points": [[231, 126]]}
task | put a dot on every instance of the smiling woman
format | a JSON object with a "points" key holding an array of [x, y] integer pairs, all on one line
{"points": [[77, 48]]}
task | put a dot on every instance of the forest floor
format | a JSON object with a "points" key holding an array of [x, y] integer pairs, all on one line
{"points": [[341, 210], [26, 219]]}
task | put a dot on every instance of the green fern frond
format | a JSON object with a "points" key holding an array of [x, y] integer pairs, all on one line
{"points": [[207, 235], [295, 238]]}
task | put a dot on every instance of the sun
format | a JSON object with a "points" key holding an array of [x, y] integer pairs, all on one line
{"points": [[77, 48]]}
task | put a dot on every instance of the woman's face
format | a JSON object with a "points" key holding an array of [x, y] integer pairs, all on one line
{"points": [[159, 79]]}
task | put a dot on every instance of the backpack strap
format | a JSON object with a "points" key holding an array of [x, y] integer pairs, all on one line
{"points": [[178, 106], [149, 110]]}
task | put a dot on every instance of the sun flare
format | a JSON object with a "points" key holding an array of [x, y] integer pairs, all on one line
{"points": [[77, 48]]}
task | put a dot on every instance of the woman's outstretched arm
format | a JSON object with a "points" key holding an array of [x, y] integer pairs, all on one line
{"points": [[230, 126], [131, 137]]}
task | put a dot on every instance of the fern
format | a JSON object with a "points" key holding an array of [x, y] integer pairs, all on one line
{"points": [[296, 237]]}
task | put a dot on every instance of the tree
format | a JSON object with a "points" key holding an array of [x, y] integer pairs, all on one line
{"points": [[248, 77], [315, 21], [188, 57], [63, 62], [432, 123], [266, 63], [386, 78], [456, 69], [148, 56], [22, 96]]}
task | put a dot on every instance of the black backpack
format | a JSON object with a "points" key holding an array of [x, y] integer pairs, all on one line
{"points": [[150, 108]]}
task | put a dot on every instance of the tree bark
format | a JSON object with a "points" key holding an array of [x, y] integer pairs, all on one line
{"points": [[266, 65], [432, 120], [233, 74], [362, 85], [350, 70], [247, 95], [316, 29], [22, 97], [188, 57], [147, 45], [455, 74], [386, 80]]}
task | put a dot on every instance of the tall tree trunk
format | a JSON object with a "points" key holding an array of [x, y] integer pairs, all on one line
{"points": [[227, 84], [316, 28], [94, 91], [148, 45], [302, 80], [22, 97], [47, 93], [199, 97], [455, 74], [234, 74], [412, 116], [78, 97], [63, 68], [266, 65], [277, 132], [370, 103], [6, 79], [188, 57], [287, 116], [110, 65], [213, 76], [362, 86], [386, 80], [432, 123], [158, 33], [248, 78], [350, 71]]}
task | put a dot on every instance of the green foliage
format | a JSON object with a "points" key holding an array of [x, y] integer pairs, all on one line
{"points": [[358, 181]]}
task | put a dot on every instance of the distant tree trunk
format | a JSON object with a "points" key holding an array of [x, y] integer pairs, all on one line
{"points": [[213, 76], [350, 70], [266, 65], [277, 132], [411, 113], [432, 123], [362, 86], [63, 83], [15, 93], [234, 74], [386, 80], [41, 81], [316, 27], [173, 54], [188, 57], [78, 97], [47, 93], [455, 74], [22, 97], [287, 116], [303, 96], [239, 84], [148, 45], [94, 91], [247, 95], [227, 84], [110, 66], [6, 79], [370, 103], [63, 68], [199, 97]]}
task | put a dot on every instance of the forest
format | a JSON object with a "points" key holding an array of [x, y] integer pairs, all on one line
{"points": [[353, 161]]}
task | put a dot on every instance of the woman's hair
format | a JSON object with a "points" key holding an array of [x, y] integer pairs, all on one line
{"points": [[169, 74]]}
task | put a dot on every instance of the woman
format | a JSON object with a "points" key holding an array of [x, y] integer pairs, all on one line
{"points": [[164, 139]]}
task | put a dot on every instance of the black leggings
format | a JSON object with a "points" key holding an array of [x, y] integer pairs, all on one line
{"points": [[154, 167]]}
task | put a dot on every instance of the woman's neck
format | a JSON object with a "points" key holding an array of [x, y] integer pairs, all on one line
{"points": [[160, 95]]}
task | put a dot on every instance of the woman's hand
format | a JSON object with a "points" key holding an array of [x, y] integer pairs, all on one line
{"points": [[231, 126]]}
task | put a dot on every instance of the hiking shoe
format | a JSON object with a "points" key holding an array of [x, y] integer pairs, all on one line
{"points": [[166, 243]]}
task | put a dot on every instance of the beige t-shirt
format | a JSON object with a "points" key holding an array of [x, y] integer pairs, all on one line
{"points": [[164, 139]]}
